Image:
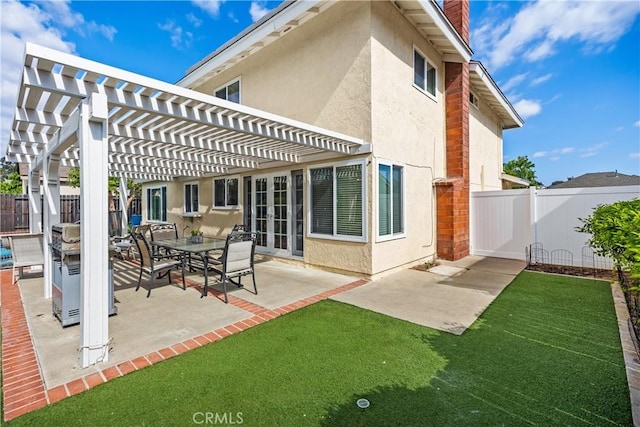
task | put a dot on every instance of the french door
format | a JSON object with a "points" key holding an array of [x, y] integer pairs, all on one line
{"points": [[272, 213]]}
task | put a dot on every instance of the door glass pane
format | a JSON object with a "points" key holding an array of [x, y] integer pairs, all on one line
{"points": [[280, 212], [349, 200], [261, 211], [298, 227], [322, 201]]}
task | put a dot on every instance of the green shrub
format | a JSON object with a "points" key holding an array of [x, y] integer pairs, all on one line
{"points": [[615, 233]]}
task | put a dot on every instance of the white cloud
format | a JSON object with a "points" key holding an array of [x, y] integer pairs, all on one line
{"points": [[541, 79], [212, 7], [555, 153], [637, 124], [513, 82], [535, 32], [63, 16], [594, 150], [619, 129], [634, 155], [44, 24], [180, 39], [194, 20], [257, 10], [528, 108]]}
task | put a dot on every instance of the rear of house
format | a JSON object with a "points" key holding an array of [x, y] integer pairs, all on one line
{"points": [[371, 70]]}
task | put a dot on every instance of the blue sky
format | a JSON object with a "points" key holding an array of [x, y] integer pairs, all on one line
{"points": [[571, 69]]}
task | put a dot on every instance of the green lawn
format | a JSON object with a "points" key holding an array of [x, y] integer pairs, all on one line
{"points": [[545, 353]]}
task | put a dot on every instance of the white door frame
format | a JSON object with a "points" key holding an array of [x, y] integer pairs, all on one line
{"points": [[271, 217]]}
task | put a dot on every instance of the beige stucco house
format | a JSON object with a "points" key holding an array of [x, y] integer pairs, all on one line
{"points": [[397, 74]]}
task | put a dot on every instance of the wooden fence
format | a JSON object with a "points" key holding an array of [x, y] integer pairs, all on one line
{"points": [[14, 211]]}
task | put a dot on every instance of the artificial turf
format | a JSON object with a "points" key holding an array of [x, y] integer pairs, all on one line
{"points": [[546, 352]]}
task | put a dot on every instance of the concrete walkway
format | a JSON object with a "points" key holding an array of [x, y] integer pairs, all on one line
{"points": [[449, 297]]}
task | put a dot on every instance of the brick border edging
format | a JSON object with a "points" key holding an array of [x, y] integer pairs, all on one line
{"points": [[22, 384], [631, 360], [41, 397]]}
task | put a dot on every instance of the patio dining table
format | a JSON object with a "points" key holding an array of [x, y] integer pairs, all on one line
{"points": [[187, 247]]}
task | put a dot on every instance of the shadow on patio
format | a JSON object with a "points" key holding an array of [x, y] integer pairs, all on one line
{"points": [[173, 320]]}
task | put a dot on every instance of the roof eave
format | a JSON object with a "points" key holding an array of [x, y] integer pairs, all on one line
{"points": [[434, 25], [479, 75]]}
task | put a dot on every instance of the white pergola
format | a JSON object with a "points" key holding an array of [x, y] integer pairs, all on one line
{"points": [[111, 122]]}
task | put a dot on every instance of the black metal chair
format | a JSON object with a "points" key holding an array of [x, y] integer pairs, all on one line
{"points": [[164, 232], [237, 261], [151, 265]]}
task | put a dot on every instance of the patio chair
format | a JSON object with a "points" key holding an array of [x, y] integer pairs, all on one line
{"points": [[27, 251], [237, 261], [163, 232], [151, 265]]}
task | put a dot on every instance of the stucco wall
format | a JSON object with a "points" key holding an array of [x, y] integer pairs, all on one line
{"points": [[318, 73], [408, 128], [314, 76], [485, 148]]}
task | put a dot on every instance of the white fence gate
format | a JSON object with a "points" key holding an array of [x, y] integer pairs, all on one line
{"points": [[503, 223]]}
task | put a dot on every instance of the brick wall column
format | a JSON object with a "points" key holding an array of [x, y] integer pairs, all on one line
{"points": [[452, 194]]}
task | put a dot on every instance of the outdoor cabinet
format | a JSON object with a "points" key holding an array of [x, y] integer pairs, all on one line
{"points": [[65, 247]]}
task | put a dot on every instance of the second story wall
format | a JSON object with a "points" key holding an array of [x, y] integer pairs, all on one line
{"points": [[485, 148], [318, 73], [408, 124]]}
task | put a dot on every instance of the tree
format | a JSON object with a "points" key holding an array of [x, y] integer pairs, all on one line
{"points": [[135, 189], [10, 182], [523, 168]]}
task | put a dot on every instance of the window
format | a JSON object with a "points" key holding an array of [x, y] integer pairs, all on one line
{"points": [[424, 74], [225, 192], [157, 203], [191, 205], [230, 91], [390, 200], [336, 198], [473, 100]]}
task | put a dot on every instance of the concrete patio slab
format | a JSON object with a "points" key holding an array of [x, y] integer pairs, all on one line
{"points": [[170, 315], [274, 292], [447, 303]]}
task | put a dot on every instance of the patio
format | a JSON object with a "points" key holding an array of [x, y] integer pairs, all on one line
{"points": [[145, 330]]}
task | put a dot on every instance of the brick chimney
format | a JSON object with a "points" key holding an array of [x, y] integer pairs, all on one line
{"points": [[452, 194]]}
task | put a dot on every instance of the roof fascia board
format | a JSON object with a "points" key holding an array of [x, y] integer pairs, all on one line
{"points": [[243, 41], [477, 68], [444, 25]]}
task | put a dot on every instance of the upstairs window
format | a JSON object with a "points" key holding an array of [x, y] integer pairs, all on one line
{"points": [[225, 192], [473, 100], [230, 91], [424, 74], [191, 205]]}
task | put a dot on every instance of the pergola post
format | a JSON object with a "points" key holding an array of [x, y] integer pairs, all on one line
{"points": [[35, 204], [94, 208], [51, 186], [124, 220]]}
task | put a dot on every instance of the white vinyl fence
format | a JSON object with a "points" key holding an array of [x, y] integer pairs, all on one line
{"points": [[504, 222]]}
